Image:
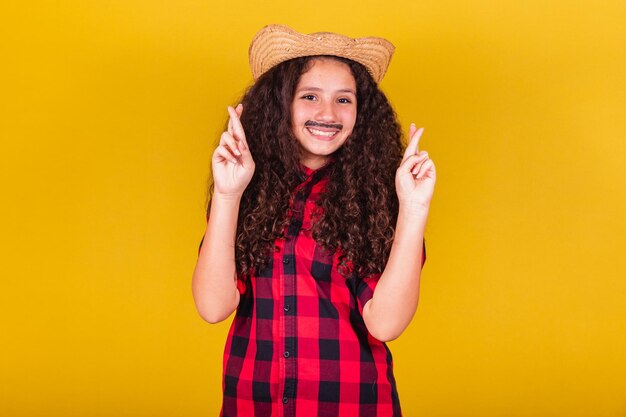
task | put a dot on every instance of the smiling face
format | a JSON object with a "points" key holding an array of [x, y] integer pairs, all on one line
{"points": [[323, 111]]}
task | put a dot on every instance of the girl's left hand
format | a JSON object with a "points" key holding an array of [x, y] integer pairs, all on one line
{"points": [[415, 178]]}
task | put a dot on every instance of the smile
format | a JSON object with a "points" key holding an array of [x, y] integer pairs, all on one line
{"points": [[325, 134]]}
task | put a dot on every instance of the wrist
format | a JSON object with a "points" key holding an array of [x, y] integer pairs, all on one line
{"points": [[413, 209], [226, 197]]}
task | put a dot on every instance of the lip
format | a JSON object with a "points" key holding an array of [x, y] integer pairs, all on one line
{"points": [[324, 133]]}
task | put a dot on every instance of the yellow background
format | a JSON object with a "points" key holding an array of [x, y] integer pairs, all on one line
{"points": [[110, 110]]}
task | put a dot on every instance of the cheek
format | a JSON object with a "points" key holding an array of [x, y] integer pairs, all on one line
{"points": [[294, 119], [298, 115], [349, 118]]}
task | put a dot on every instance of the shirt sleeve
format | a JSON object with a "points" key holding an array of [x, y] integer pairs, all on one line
{"points": [[365, 290], [366, 286]]}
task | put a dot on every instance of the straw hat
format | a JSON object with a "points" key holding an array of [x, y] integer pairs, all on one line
{"points": [[278, 43]]}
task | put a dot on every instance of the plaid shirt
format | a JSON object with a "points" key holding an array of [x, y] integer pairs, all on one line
{"points": [[298, 345]]}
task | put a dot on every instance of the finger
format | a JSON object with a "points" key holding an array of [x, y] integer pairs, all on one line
{"points": [[225, 154], [422, 156], [418, 168], [407, 151], [246, 159], [413, 160], [412, 130], [229, 141], [409, 163], [427, 170], [242, 145], [232, 133], [418, 136], [412, 148], [244, 142], [238, 110], [237, 127]]}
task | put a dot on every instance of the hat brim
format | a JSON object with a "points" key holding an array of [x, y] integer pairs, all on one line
{"points": [[278, 43]]}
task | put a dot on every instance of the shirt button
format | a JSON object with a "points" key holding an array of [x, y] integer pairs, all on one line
{"points": [[285, 399], [287, 308], [285, 260], [286, 354]]}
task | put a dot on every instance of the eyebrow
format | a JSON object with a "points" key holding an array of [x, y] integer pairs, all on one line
{"points": [[342, 90]]}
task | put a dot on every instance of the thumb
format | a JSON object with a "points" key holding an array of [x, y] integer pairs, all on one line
{"points": [[246, 156]]}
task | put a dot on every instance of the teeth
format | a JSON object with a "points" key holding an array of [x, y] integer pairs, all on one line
{"points": [[322, 133]]}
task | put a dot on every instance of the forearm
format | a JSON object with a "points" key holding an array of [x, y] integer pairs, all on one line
{"points": [[395, 298], [214, 278]]}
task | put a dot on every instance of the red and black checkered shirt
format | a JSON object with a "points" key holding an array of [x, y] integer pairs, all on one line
{"points": [[298, 345]]}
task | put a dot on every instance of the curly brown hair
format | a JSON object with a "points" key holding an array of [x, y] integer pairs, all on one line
{"points": [[359, 206]]}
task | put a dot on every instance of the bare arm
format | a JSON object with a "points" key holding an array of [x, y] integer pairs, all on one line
{"points": [[395, 298], [214, 278], [214, 284]]}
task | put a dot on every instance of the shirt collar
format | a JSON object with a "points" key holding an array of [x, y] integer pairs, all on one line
{"points": [[306, 172]]}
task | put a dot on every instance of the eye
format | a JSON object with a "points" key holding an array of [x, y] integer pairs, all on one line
{"points": [[344, 100], [310, 97]]}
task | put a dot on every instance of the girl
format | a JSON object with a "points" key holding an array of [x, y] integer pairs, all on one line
{"points": [[315, 231]]}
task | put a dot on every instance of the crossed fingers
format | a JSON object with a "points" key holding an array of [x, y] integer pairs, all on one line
{"points": [[234, 138], [412, 155]]}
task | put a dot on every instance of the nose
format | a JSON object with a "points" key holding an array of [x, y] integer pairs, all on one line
{"points": [[326, 112]]}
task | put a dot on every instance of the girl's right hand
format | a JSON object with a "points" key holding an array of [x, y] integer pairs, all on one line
{"points": [[232, 162]]}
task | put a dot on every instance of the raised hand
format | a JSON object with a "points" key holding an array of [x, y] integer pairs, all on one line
{"points": [[415, 178], [232, 162]]}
